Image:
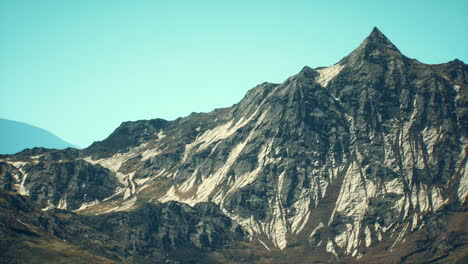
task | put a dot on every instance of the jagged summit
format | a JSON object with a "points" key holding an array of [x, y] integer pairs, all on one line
{"points": [[375, 48], [377, 39], [375, 54], [376, 36]]}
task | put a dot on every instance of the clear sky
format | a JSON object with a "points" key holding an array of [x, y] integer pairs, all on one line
{"points": [[80, 68]]}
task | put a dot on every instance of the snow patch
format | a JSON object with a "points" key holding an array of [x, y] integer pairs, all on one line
{"points": [[437, 199], [423, 198], [400, 236], [189, 183], [211, 182], [327, 74], [251, 176], [463, 186], [86, 205], [131, 188], [161, 135], [113, 163], [48, 207], [301, 217], [430, 138], [278, 227], [320, 226], [149, 153], [415, 222], [63, 203], [367, 233], [353, 202], [331, 248], [261, 242], [20, 188], [216, 134]]}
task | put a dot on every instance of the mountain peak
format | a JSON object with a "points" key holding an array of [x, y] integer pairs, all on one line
{"points": [[376, 32], [377, 37], [374, 48]]}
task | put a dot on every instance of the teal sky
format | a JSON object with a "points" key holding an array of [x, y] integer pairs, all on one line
{"points": [[80, 68]]}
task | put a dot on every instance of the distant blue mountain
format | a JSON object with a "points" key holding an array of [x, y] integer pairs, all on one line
{"points": [[16, 136]]}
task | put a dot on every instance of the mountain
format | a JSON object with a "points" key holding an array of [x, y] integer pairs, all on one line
{"points": [[363, 160], [16, 136]]}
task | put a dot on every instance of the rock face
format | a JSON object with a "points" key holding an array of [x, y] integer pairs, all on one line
{"points": [[58, 180], [146, 235], [338, 159]]}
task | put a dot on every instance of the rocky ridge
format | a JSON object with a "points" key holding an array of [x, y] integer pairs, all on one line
{"points": [[339, 159]]}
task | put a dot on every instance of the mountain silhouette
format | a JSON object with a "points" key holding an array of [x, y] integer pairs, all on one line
{"points": [[16, 136]]}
